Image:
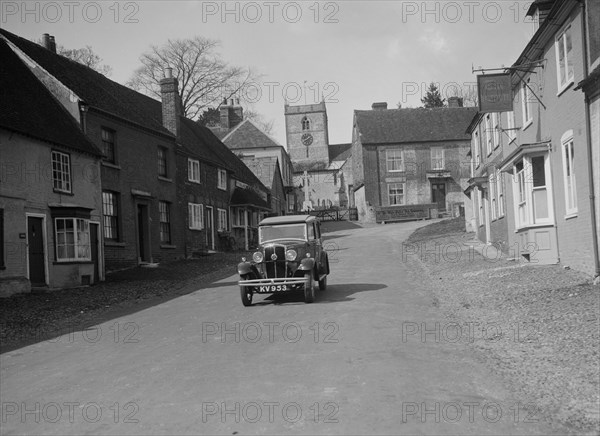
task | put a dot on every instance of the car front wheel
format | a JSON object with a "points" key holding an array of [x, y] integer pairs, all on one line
{"points": [[309, 287], [246, 292]]}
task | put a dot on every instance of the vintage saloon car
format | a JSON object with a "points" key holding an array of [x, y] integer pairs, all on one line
{"points": [[290, 257]]}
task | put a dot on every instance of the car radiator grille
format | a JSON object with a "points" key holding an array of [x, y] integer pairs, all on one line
{"points": [[275, 269]]}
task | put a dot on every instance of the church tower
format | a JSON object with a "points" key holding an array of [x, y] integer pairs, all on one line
{"points": [[307, 135]]}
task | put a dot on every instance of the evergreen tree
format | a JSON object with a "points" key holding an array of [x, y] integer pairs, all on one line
{"points": [[433, 97]]}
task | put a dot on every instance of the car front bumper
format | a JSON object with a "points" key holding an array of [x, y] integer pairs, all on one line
{"points": [[268, 286]]}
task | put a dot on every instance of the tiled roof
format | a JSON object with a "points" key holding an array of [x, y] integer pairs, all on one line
{"points": [[27, 107], [249, 135], [264, 168], [339, 152], [309, 166], [218, 152], [94, 88], [245, 197], [413, 125], [194, 138]]}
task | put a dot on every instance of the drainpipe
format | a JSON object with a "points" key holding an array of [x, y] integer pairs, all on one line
{"points": [[588, 132]]}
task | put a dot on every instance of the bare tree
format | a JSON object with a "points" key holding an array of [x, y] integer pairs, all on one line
{"points": [[85, 56], [205, 79], [266, 126], [468, 93], [210, 117]]}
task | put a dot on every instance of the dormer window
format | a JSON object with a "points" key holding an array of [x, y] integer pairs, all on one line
{"points": [[305, 123]]}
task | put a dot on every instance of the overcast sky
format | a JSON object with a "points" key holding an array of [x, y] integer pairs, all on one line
{"points": [[352, 53]]}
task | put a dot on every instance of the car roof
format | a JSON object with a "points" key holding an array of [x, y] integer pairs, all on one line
{"points": [[287, 219]]}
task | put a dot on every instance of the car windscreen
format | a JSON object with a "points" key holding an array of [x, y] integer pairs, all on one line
{"points": [[282, 231]]}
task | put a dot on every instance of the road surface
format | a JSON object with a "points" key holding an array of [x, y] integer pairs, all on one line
{"points": [[370, 356]]}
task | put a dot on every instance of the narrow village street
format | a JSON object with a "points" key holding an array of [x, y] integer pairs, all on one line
{"points": [[204, 364]]}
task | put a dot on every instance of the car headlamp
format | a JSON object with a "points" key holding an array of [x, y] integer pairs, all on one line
{"points": [[290, 255], [257, 257]]}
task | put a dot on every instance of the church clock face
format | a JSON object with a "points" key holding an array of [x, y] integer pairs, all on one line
{"points": [[306, 139]]}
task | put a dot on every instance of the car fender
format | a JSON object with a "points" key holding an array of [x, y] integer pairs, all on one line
{"points": [[325, 264], [306, 264], [247, 268]]}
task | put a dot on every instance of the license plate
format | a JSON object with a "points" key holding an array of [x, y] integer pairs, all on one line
{"points": [[272, 288]]}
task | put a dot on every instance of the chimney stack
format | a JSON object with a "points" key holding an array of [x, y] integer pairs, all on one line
{"points": [[171, 102], [455, 102], [379, 106], [48, 42], [231, 113]]}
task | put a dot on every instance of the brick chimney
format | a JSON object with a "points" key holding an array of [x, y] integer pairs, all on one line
{"points": [[231, 113], [171, 102], [379, 106], [48, 42], [455, 102]]}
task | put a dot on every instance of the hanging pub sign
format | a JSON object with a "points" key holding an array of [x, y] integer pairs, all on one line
{"points": [[494, 92]]}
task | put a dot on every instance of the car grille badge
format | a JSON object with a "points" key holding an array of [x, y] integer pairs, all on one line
{"points": [[273, 256]]}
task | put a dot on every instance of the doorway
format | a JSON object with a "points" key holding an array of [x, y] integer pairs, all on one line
{"points": [[438, 195], [210, 237], [143, 231], [36, 251], [94, 229]]}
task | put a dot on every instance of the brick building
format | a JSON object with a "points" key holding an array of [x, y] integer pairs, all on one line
{"points": [[138, 164], [410, 163], [550, 214], [153, 208], [50, 193], [493, 138], [590, 85]]}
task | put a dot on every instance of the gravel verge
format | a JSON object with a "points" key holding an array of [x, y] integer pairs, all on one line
{"points": [[35, 317], [537, 326]]}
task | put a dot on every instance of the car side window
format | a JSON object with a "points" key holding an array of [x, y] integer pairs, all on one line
{"points": [[311, 232], [318, 227]]}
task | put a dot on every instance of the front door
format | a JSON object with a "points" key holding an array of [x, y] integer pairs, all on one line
{"points": [[94, 250], [35, 248], [210, 237], [143, 226], [438, 195]]}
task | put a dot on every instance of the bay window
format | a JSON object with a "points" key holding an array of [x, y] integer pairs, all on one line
{"points": [[533, 197], [72, 236]]}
